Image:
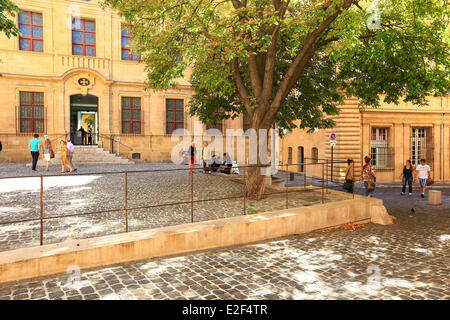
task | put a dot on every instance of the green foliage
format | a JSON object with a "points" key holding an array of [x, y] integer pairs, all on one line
{"points": [[406, 58], [8, 10]]}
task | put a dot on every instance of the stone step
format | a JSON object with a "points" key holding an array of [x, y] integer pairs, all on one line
{"points": [[88, 156]]}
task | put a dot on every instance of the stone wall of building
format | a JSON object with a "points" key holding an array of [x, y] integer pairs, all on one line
{"points": [[57, 73], [355, 128]]}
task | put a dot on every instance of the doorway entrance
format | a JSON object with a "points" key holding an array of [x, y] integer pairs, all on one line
{"points": [[84, 119]]}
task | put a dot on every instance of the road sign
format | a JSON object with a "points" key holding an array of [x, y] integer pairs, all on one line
{"points": [[333, 136], [333, 143], [117, 139]]}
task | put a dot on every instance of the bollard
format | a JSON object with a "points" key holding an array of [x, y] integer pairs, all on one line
{"points": [[435, 197]]}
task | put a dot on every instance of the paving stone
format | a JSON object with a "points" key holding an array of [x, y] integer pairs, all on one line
{"points": [[408, 260], [144, 188]]}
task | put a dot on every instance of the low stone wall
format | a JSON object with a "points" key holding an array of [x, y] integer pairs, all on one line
{"points": [[107, 250]]}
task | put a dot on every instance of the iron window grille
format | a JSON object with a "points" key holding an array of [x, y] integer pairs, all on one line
{"points": [[31, 112], [381, 154], [422, 145]]}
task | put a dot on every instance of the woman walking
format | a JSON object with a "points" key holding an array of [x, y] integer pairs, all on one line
{"points": [[47, 150], [369, 177], [349, 176], [191, 155], [65, 162], [407, 177]]}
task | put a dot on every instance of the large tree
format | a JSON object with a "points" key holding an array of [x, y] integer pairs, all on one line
{"points": [[247, 56], [8, 10]]}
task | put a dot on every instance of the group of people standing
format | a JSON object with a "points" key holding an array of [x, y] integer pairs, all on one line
{"points": [[422, 172], [66, 147], [87, 137]]}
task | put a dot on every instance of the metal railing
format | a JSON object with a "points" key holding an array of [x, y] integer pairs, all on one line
{"points": [[322, 186]]}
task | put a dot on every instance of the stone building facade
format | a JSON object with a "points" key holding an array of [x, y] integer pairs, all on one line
{"points": [[73, 66], [390, 135]]}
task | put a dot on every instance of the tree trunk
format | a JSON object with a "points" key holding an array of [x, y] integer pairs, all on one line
{"points": [[255, 183]]}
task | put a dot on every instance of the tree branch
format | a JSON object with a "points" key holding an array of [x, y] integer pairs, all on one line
{"points": [[295, 70], [240, 86], [270, 60]]}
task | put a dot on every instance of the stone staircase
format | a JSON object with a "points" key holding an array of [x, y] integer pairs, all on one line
{"points": [[88, 156]]}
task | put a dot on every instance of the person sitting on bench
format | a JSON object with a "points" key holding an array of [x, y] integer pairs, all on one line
{"points": [[228, 163], [215, 163]]}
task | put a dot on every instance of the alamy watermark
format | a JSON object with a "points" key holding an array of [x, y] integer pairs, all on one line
{"points": [[209, 146]]}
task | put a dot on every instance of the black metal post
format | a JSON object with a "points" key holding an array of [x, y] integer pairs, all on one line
{"points": [[42, 210], [331, 164], [126, 201]]}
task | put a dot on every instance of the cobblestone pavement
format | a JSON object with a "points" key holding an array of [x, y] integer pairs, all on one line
{"points": [[409, 260], [75, 194]]}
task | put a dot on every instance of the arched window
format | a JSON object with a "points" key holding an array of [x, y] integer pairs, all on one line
{"points": [[246, 122], [315, 154], [300, 158], [289, 155]]}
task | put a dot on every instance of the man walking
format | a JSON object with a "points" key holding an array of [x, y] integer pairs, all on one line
{"points": [[71, 149], [423, 171], [34, 148]]}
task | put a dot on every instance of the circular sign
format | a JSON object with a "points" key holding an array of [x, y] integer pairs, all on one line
{"points": [[84, 82], [333, 136]]}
